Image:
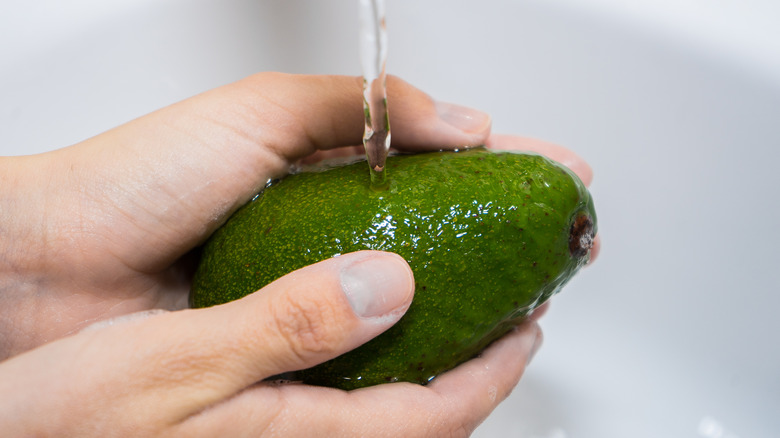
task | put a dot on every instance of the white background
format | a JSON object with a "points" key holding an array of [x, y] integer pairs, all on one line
{"points": [[675, 103]]}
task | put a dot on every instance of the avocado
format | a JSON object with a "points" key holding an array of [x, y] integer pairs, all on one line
{"points": [[489, 236]]}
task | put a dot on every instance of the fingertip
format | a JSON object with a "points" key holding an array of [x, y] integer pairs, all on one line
{"points": [[581, 168], [420, 123], [377, 284], [468, 121]]}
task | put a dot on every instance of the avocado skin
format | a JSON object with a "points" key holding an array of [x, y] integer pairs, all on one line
{"points": [[487, 235]]}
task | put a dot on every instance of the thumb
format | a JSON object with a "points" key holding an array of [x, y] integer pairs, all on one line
{"points": [[302, 319], [317, 313]]}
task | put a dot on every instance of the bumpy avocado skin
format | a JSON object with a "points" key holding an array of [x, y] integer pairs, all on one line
{"points": [[487, 235]]}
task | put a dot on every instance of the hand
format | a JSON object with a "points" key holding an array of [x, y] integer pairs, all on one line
{"points": [[104, 228]]}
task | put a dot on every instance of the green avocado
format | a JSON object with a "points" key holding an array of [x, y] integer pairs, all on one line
{"points": [[489, 236]]}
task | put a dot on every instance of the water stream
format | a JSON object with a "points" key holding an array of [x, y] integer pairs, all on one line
{"points": [[373, 57]]}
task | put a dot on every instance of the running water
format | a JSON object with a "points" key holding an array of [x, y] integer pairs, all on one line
{"points": [[373, 56]]}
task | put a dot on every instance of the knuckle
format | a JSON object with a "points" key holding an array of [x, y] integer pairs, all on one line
{"points": [[310, 327]]}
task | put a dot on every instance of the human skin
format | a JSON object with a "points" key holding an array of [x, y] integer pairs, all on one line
{"points": [[106, 228]]}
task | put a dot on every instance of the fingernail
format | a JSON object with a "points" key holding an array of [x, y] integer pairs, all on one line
{"points": [[464, 118], [377, 285]]}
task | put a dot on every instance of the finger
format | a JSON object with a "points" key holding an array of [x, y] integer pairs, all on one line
{"points": [[477, 387], [193, 359], [432, 125], [454, 404], [553, 151]]}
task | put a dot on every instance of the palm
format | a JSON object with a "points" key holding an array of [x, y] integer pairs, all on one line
{"points": [[81, 283]]}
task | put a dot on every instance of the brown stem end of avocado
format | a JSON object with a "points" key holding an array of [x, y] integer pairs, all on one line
{"points": [[581, 235]]}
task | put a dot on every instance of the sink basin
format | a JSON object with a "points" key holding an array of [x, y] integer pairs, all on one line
{"points": [[674, 331]]}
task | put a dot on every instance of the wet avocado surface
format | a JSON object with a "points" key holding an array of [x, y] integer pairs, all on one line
{"points": [[489, 236]]}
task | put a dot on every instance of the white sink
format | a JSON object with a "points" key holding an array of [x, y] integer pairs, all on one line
{"points": [[676, 104]]}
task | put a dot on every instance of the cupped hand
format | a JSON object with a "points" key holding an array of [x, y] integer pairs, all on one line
{"points": [[198, 372], [104, 228]]}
